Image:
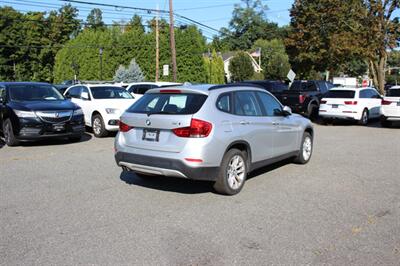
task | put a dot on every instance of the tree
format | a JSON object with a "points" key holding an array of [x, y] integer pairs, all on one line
{"points": [[131, 74], [351, 30], [95, 19], [274, 60], [383, 33], [214, 68], [249, 23], [241, 67]]}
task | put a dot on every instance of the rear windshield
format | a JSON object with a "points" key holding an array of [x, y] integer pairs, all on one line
{"points": [[34, 92], [340, 94], [110, 93], [303, 86], [393, 92], [165, 103]]}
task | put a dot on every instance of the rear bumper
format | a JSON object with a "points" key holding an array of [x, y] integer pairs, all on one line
{"points": [[390, 118], [164, 166], [345, 116]]}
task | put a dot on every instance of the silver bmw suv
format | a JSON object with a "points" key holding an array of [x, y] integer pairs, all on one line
{"points": [[215, 133]]}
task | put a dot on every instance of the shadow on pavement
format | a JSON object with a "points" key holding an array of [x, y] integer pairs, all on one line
{"points": [[55, 141], [179, 185], [269, 168]]}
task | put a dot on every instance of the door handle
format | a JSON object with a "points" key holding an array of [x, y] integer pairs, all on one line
{"points": [[275, 123], [244, 122]]}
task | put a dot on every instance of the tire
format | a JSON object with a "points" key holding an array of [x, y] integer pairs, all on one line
{"points": [[99, 129], [364, 118], [312, 112], [8, 132], [232, 174], [385, 122], [306, 149]]}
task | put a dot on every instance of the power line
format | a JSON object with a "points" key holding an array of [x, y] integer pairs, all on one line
{"points": [[146, 9]]}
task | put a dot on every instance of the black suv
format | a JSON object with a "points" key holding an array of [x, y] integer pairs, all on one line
{"points": [[33, 110]]}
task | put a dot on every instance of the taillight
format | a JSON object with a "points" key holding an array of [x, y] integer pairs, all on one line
{"points": [[302, 98], [385, 102], [124, 127], [350, 102], [323, 102], [198, 129]]}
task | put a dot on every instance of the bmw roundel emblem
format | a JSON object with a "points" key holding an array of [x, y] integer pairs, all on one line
{"points": [[148, 122]]}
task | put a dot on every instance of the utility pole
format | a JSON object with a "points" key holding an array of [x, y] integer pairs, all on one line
{"points": [[172, 40], [101, 62], [157, 48]]}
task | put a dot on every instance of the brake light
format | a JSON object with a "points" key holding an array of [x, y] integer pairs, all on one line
{"points": [[302, 98], [198, 129], [194, 160], [350, 102], [170, 91], [323, 102], [385, 102], [124, 127]]}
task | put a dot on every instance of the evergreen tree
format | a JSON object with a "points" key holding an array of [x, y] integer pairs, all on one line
{"points": [[134, 73], [241, 67], [95, 19], [274, 60]]}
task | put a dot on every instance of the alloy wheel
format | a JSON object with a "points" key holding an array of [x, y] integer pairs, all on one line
{"points": [[97, 126], [307, 148], [236, 172]]}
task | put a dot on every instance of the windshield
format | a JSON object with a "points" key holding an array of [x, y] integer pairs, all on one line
{"points": [[34, 92], [393, 93], [165, 103], [340, 94], [110, 93]]}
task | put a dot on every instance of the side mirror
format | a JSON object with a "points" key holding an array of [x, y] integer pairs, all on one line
{"points": [[85, 96], [286, 111]]}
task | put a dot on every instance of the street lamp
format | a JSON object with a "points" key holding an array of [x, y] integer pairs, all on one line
{"points": [[101, 62]]}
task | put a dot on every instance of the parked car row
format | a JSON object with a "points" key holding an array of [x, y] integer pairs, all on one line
{"points": [[205, 132]]}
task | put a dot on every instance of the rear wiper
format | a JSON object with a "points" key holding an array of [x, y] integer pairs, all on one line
{"points": [[159, 113]]}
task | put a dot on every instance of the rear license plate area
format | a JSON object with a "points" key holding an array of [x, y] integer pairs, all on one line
{"points": [[335, 105], [151, 134]]}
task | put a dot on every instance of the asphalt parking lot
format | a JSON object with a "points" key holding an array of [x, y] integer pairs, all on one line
{"points": [[68, 203]]}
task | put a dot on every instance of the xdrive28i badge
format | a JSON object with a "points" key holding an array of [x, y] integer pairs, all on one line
{"points": [[148, 122]]}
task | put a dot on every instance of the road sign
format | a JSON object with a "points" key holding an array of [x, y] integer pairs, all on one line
{"points": [[291, 75], [165, 70]]}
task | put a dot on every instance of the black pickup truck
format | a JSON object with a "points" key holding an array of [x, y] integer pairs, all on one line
{"points": [[303, 97]]}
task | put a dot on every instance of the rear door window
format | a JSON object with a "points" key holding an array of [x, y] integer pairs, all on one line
{"points": [[347, 94], [246, 104], [165, 103], [393, 93]]}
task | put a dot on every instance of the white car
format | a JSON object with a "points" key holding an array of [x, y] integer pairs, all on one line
{"points": [[358, 104], [139, 88], [390, 110], [102, 105]]}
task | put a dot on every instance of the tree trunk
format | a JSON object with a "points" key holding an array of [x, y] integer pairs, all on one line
{"points": [[377, 67]]}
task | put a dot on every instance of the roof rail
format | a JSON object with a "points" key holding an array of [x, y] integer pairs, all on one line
{"points": [[240, 84]]}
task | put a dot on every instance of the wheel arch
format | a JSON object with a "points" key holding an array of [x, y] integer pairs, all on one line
{"points": [[241, 145]]}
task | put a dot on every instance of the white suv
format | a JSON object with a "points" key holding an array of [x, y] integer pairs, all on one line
{"points": [[102, 105], [390, 110], [358, 104], [137, 89]]}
